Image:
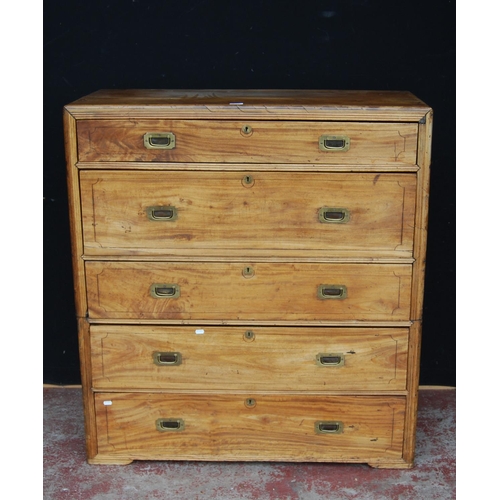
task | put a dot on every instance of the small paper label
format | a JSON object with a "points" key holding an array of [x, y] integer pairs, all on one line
{"points": [[107, 403], [199, 332]]}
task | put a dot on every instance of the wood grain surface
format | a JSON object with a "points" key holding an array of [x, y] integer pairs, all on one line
{"points": [[264, 104], [269, 214], [238, 318], [269, 141], [267, 359], [277, 427], [276, 291]]}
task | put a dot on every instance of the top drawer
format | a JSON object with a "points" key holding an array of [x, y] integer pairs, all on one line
{"points": [[217, 141]]}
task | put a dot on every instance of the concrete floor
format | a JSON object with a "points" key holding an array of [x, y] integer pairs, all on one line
{"points": [[67, 476]]}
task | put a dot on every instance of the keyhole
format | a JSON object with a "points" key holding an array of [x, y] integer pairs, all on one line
{"points": [[247, 181], [246, 130], [249, 335], [250, 402], [248, 271]]}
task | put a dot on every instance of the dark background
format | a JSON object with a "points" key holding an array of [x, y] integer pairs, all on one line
{"points": [[356, 44]]}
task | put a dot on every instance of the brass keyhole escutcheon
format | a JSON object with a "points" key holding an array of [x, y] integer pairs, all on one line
{"points": [[249, 336], [247, 181], [250, 402], [248, 272], [246, 130]]}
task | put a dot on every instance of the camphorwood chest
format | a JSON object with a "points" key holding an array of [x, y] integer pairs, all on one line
{"points": [[249, 272]]}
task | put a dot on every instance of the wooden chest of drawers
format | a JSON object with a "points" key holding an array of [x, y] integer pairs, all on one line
{"points": [[249, 270]]}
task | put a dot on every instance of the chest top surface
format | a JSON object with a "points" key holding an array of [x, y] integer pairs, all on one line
{"points": [[264, 104]]}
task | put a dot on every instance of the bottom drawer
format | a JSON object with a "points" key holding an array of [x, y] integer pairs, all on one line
{"points": [[249, 427]]}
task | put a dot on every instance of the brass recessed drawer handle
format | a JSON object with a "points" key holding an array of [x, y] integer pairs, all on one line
{"points": [[328, 427], [334, 215], [167, 358], [162, 214], [170, 424], [329, 359], [159, 140], [332, 143], [332, 292], [165, 291]]}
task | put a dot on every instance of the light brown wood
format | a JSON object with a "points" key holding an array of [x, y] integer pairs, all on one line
{"points": [[106, 460], [282, 99], [75, 215], [275, 428], [389, 106], [224, 141], [422, 214], [80, 294], [249, 255], [232, 322], [422, 204], [88, 396], [246, 167], [275, 214], [267, 359], [121, 290]]}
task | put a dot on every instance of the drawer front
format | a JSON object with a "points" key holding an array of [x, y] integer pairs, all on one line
{"points": [[247, 142], [198, 213], [230, 427], [221, 292], [238, 358]]}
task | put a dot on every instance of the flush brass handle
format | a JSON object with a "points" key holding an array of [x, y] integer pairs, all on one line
{"points": [[332, 292], [329, 359], [328, 427], [170, 424], [167, 358], [334, 215], [333, 143], [159, 140], [161, 214], [165, 291]]}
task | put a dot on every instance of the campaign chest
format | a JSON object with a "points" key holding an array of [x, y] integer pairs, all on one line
{"points": [[249, 272]]}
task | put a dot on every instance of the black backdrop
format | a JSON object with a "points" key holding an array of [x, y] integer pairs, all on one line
{"points": [[350, 44]]}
